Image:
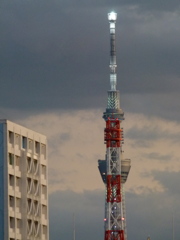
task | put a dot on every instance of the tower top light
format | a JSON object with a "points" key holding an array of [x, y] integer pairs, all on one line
{"points": [[112, 16]]}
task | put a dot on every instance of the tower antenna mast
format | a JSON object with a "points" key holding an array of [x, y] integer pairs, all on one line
{"points": [[114, 169]]}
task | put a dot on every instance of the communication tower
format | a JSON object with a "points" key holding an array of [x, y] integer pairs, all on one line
{"points": [[114, 169]]}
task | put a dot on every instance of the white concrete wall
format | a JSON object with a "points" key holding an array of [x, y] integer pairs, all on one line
{"points": [[26, 176]]}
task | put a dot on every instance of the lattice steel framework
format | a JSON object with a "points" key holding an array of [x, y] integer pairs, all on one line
{"points": [[114, 226]]}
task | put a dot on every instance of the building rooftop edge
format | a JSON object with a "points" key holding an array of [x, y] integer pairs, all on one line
{"points": [[6, 121]]}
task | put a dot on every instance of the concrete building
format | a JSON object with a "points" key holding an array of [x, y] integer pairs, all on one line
{"points": [[23, 183]]}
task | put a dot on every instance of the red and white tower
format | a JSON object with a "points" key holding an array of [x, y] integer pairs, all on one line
{"points": [[114, 169]]}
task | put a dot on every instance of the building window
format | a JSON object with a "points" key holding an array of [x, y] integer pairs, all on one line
{"points": [[43, 171], [11, 201], [11, 137], [43, 150], [18, 203], [18, 183], [30, 144], [29, 205], [11, 180], [36, 208], [24, 142], [17, 139], [18, 224], [36, 225], [44, 190], [11, 159], [29, 164], [44, 211], [36, 188], [44, 230], [37, 147], [29, 226], [17, 161], [35, 165], [12, 222], [29, 185]]}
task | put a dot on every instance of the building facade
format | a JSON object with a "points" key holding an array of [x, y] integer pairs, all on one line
{"points": [[23, 183]]}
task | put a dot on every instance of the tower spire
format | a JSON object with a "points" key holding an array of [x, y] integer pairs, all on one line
{"points": [[113, 76], [114, 169], [113, 104]]}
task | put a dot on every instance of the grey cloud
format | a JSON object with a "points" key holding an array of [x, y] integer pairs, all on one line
{"points": [[149, 133], [141, 143], [143, 134], [57, 178], [170, 180], [65, 136], [157, 156], [164, 105]]}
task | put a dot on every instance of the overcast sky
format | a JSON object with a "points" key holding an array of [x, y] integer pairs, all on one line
{"points": [[54, 77]]}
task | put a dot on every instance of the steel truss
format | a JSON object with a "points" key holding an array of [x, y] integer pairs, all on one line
{"points": [[114, 224]]}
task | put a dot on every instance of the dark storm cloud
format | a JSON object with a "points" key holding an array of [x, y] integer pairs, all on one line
{"points": [[146, 5], [48, 55], [88, 210], [151, 215], [153, 4], [147, 214], [55, 54]]}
